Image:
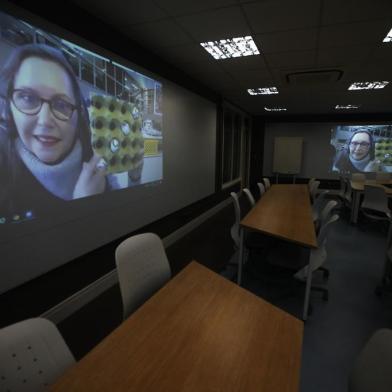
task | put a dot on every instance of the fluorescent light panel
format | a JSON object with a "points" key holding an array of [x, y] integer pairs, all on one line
{"points": [[263, 91], [368, 85], [274, 109], [231, 47], [340, 107], [388, 38]]}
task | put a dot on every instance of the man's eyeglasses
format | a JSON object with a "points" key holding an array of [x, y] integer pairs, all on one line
{"points": [[28, 102], [361, 144]]}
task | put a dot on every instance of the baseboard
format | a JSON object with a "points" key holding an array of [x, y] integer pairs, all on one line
{"points": [[81, 298]]}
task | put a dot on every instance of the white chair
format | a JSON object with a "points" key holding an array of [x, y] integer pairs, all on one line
{"points": [[313, 190], [235, 229], [250, 197], [372, 368], [261, 188], [33, 355], [267, 183], [375, 203], [326, 212], [311, 182], [317, 258], [317, 205], [358, 177], [142, 268]]}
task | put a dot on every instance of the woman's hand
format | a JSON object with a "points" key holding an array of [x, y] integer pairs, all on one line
{"points": [[91, 179]]}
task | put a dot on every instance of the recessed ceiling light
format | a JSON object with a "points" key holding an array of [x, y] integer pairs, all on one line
{"points": [[275, 109], [263, 91], [388, 38], [339, 107], [368, 85], [231, 47]]}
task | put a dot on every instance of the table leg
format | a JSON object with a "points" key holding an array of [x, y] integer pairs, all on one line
{"points": [[307, 290], [240, 257]]}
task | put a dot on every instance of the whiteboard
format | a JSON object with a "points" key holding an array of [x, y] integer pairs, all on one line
{"points": [[287, 155]]}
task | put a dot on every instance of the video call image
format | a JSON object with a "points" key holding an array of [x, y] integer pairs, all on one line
{"points": [[73, 123], [362, 148]]}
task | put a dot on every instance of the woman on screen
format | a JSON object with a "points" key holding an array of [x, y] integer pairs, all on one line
{"points": [[357, 155], [45, 149]]}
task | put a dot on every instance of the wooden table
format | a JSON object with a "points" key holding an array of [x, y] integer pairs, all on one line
{"points": [[199, 333], [358, 188], [285, 212]]}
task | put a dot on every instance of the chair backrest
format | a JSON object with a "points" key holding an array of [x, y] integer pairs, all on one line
{"points": [[33, 355], [358, 177], [251, 199], [372, 368], [326, 212], [142, 268], [318, 255], [313, 189], [311, 181], [381, 176], [324, 229], [261, 188], [316, 206], [235, 229], [267, 183], [375, 198]]}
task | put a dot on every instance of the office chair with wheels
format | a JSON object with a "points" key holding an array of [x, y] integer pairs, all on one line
{"points": [[33, 355], [142, 268], [313, 190], [235, 229], [311, 181], [318, 205], [250, 197], [372, 368], [267, 183], [317, 259], [261, 188]]}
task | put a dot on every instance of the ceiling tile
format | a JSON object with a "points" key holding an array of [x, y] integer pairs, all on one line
{"points": [[254, 79], [338, 11], [283, 41], [183, 7], [268, 16], [119, 13], [343, 56], [159, 34], [184, 54], [292, 60], [243, 64], [360, 33], [215, 25]]}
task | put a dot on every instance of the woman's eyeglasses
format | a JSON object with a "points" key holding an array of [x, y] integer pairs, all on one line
{"points": [[28, 102], [361, 144]]}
